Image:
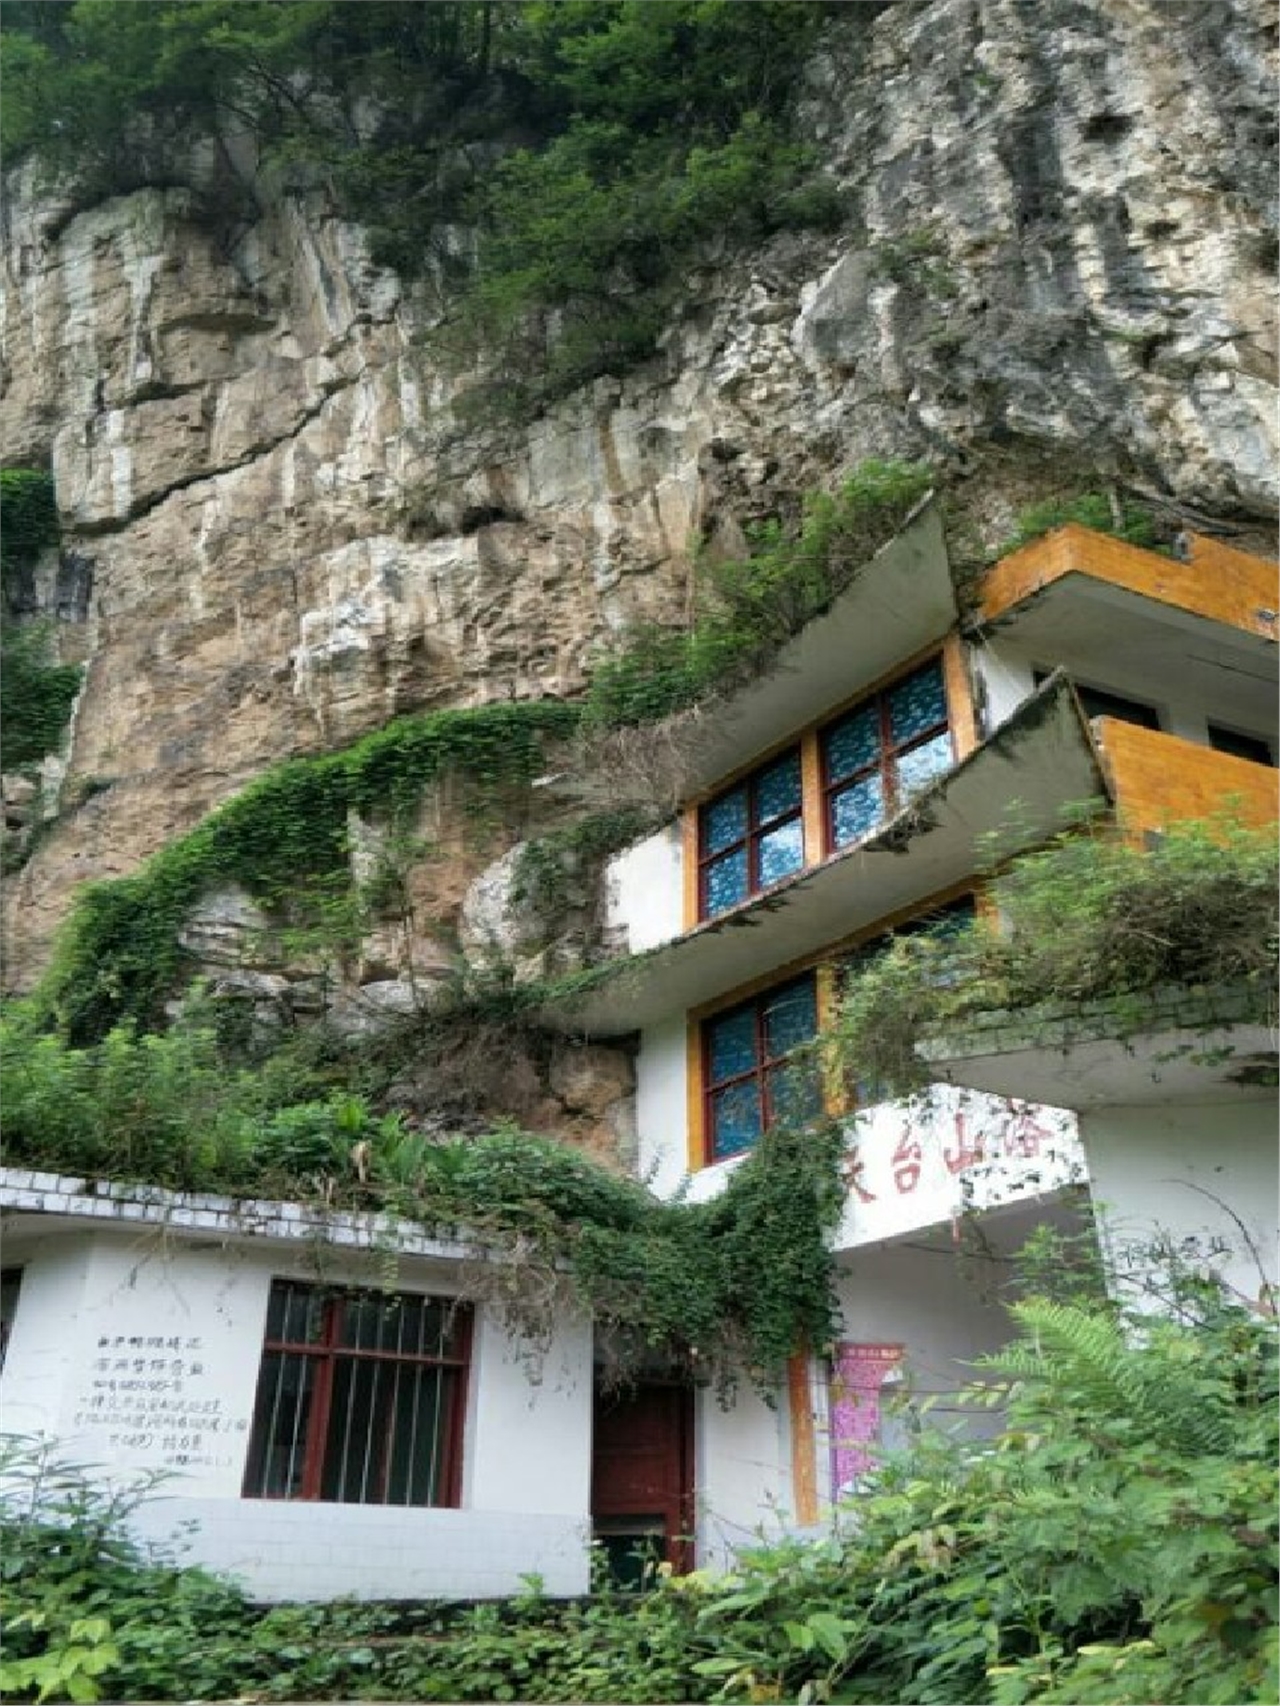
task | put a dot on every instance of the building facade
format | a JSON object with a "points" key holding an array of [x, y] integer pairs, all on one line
{"points": [[324, 1436]]}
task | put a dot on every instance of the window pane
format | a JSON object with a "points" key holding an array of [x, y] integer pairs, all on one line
{"points": [[724, 821], [732, 1044], [420, 1414], [735, 1119], [359, 1420], [917, 704], [281, 1414], [852, 743], [790, 1018], [856, 810], [923, 762], [778, 789], [295, 1314], [781, 851], [726, 881], [795, 1094]]}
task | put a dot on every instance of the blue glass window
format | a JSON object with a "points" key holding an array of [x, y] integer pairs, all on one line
{"points": [[781, 852], [750, 1082], [731, 1046], [735, 1119], [725, 881], [751, 836], [881, 752], [923, 762], [790, 1017], [855, 811], [853, 743], [777, 789], [724, 821], [917, 705]]}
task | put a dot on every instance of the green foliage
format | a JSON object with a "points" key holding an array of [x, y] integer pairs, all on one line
{"points": [[1091, 917], [719, 1286], [594, 147], [36, 695], [1132, 522], [750, 608], [1114, 1542], [285, 840], [557, 869], [28, 517]]}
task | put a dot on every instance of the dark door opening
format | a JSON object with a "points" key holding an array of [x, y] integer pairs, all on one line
{"points": [[642, 1479]]}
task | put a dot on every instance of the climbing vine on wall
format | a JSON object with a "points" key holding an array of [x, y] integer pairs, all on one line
{"points": [[36, 692]]}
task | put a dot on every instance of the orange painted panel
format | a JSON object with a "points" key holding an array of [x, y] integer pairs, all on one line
{"points": [[1219, 582], [1158, 779], [804, 1442]]}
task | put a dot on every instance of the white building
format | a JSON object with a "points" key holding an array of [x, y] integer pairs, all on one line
{"points": [[327, 1442]]}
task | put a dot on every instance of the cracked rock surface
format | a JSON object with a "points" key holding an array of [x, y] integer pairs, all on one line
{"points": [[1059, 237]]}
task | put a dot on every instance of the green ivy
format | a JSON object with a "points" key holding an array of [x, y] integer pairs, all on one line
{"points": [[285, 840], [36, 693], [720, 1287], [28, 517], [554, 869]]}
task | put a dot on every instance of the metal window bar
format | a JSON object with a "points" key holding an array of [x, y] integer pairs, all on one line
{"points": [[347, 1453]]}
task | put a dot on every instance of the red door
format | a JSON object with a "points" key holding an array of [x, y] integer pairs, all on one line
{"points": [[642, 1476]]}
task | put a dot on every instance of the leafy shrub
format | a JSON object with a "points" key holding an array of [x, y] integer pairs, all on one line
{"points": [[753, 606], [1131, 522], [1114, 1543], [1092, 917]]}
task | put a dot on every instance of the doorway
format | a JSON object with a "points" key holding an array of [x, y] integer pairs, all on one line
{"points": [[642, 1479]]}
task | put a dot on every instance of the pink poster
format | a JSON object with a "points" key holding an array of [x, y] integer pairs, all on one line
{"points": [[858, 1373]]}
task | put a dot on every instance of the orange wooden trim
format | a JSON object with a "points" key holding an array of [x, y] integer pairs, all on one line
{"points": [[815, 829], [804, 1452], [961, 712], [689, 865], [695, 1115], [1158, 779], [1218, 582]]}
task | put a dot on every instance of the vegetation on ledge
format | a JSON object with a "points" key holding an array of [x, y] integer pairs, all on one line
{"points": [[721, 1288], [1091, 917]]}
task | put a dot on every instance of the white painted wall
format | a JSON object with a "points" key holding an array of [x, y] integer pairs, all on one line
{"points": [[644, 891], [742, 1476], [140, 1353], [1187, 1173], [1005, 671], [922, 1161], [929, 1159]]}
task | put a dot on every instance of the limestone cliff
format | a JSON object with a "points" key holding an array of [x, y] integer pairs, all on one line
{"points": [[1058, 254]]}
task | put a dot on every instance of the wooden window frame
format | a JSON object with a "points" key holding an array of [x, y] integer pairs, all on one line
{"points": [[328, 1353], [756, 830], [759, 1072], [885, 763]]}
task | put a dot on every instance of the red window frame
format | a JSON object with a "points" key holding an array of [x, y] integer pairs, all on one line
{"points": [[327, 1353], [760, 1073], [884, 764], [757, 828]]}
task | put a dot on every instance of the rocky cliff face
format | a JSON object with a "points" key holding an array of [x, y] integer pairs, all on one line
{"points": [[1058, 251]]}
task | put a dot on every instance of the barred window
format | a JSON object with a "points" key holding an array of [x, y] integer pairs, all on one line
{"points": [[360, 1398]]}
